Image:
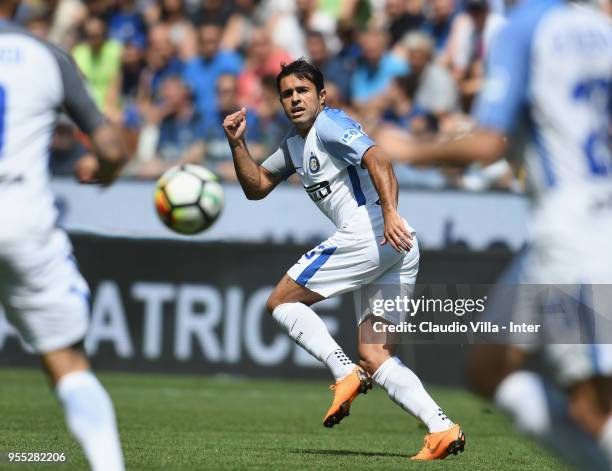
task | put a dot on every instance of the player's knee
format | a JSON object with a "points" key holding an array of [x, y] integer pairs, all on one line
{"points": [[64, 361], [273, 302]]}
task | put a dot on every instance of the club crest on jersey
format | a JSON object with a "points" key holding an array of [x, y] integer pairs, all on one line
{"points": [[313, 164]]}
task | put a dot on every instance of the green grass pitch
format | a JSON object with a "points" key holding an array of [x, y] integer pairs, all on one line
{"points": [[195, 423]]}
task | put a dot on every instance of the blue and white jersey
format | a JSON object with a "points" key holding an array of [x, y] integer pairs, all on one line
{"points": [[328, 161], [550, 74], [36, 81], [550, 68]]}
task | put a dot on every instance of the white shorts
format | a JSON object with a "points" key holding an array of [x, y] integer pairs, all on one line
{"points": [[353, 258], [523, 296], [42, 292]]}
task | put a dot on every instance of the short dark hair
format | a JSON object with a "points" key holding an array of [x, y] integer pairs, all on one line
{"points": [[302, 69]]}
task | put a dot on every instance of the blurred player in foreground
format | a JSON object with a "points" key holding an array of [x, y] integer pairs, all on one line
{"points": [[41, 289], [352, 183], [550, 69]]}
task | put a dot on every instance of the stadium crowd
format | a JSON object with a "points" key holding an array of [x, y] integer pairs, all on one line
{"points": [[168, 71]]}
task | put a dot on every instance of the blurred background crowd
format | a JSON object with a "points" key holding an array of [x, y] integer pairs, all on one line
{"points": [[168, 71]]}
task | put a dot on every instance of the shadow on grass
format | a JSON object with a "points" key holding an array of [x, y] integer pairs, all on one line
{"points": [[348, 453]]}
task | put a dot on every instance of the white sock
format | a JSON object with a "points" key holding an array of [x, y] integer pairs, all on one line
{"points": [[605, 439], [309, 331], [91, 419], [406, 390], [522, 395]]}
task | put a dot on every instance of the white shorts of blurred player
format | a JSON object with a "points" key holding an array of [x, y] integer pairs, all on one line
{"points": [[352, 259], [575, 335], [42, 292]]}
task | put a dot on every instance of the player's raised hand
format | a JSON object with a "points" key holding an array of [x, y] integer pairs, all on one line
{"points": [[234, 126], [396, 232]]}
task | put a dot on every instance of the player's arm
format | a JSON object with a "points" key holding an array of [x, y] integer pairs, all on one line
{"points": [[482, 145], [255, 180], [106, 139], [381, 172]]}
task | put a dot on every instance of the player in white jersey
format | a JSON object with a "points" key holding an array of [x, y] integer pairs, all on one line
{"points": [[41, 289], [348, 178], [550, 73]]}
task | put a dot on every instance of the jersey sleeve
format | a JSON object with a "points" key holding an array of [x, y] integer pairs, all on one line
{"points": [[78, 103], [279, 163], [505, 90], [343, 137]]}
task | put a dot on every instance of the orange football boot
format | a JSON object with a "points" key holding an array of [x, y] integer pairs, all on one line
{"points": [[439, 445], [345, 391]]}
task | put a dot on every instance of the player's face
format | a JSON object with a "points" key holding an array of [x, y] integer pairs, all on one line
{"points": [[301, 101]]}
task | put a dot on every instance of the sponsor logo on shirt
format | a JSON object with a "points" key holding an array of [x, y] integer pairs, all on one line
{"points": [[350, 135], [318, 191]]}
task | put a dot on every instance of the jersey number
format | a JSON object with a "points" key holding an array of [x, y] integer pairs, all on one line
{"points": [[2, 109], [596, 93]]}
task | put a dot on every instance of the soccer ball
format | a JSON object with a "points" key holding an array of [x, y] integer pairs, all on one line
{"points": [[188, 198]]}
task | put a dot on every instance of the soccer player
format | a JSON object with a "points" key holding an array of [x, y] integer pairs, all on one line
{"points": [[346, 175], [41, 289], [550, 71]]}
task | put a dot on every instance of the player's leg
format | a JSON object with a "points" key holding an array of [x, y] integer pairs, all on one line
{"points": [[87, 407], [45, 297], [585, 370], [289, 305], [406, 390], [590, 405], [495, 372], [377, 349]]}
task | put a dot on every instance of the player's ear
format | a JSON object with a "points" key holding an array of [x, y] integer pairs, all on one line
{"points": [[322, 97]]}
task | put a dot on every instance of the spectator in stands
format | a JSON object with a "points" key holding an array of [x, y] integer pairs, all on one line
{"points": [[127, 24], [263, 58], [162, 62], [218, 152], [36, 17], [99, 59], [203, 71], [288, 28], [101, 8], [214, 11], [182, 32], [350, 50], [439, 19], [333, 68], [375, 70], [238, 31], [335, 99], [404, 117], [132, 66], [468, 44], [181, 138], [401, 17], [400, 108], [435, 90], [273, 122]]}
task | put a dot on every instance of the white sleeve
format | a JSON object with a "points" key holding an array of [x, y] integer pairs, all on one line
{"points": [[279, 163]]}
